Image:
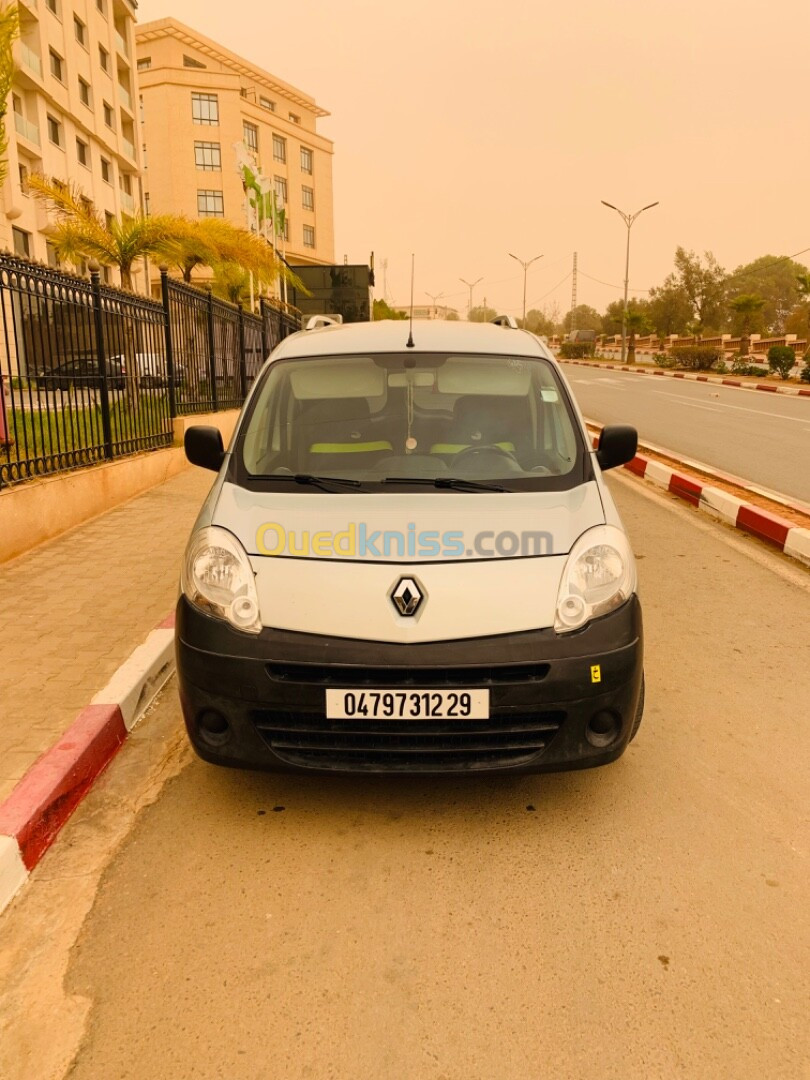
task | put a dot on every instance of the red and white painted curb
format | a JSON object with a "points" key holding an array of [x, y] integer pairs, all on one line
{"points": [[773, 529], [41, 803], [719, 380]]}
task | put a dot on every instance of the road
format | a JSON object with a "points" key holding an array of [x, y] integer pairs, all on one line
{"points": [[646, 920], [760, 437]]}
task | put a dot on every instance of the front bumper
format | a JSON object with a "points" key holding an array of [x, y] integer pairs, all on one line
{"points": [[259, 702]]}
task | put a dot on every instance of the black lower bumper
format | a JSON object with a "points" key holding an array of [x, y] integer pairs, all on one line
{"points": [[556, 701]]}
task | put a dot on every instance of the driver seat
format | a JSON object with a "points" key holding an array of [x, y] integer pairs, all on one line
{"points": [[480, 421]]}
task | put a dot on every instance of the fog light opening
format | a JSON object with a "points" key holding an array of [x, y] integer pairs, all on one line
{"points": [[213, 727], [603, 728]]}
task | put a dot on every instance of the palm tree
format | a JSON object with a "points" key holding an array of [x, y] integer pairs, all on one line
{"points": [[9, 31], [746, 305], [213, 242], [231, 282], [81, 233]]}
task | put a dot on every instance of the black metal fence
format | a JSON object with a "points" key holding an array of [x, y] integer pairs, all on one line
{"points": [[91, 373]]}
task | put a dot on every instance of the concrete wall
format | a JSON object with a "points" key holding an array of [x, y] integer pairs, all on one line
{"points": [[40, 510]]}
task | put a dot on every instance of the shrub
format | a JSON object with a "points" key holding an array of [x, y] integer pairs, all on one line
{"points": [[805, 375], [781, 359], [721, 367], [697, 357], [576, 350], [741, 366], [664, 360]]}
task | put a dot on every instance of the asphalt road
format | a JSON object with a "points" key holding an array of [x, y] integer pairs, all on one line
{"points": [[645, 920], [760, 437]]}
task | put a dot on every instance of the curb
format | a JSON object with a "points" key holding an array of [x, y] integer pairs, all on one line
{"points": [[782, 534], [35, 811], [718, 380]]}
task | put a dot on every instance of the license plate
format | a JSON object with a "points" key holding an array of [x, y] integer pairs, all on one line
{"points": [[407, 704]]}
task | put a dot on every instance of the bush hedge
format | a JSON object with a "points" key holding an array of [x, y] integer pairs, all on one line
{"points": [[577, 350], [696, 357], [781, 359]]}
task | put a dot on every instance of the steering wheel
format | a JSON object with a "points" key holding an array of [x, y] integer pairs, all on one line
{"points": [[469, 453]]}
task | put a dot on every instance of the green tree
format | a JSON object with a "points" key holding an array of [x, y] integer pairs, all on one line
{"points": [[81, 233], [539, 323], [637, 324], [747, 307], [702, 283], [9, 31], [776, 281], [482, 313], [587, 318], [802, 311], [382, 310], [213, 242], [670, 310], [451, 316]]}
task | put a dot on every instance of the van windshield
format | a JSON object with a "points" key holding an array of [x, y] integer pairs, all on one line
{"points": [[375, 420]]}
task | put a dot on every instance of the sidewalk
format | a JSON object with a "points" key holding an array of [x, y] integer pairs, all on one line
{"points": [[74, 608]]}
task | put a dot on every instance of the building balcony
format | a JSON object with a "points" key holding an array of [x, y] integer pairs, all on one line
{"points": [[30, 59], [26, 129], [128, 148], [125, 96], [121, 44], [127, 202]]}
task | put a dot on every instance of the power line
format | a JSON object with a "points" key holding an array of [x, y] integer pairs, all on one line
{"points": [[550, 291]]}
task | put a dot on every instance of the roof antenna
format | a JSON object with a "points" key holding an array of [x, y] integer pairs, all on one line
{"points": [[409, 343]]}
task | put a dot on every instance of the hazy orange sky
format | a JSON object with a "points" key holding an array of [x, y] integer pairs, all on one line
{"points": [[464, 131]]}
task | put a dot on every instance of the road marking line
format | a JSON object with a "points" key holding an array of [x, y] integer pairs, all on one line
{"points": [[739, 408]]}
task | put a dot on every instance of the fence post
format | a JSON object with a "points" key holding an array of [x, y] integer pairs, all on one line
{"points": [[101, 357], [242, 358], [212, 360], [265, 339], [164, 292]]}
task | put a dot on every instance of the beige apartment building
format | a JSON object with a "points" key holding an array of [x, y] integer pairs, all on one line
{"points": [[199, 103], [71, 115]]}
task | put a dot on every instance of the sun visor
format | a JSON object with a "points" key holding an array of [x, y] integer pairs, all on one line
{"points": [[505, 377], [348, 379]]}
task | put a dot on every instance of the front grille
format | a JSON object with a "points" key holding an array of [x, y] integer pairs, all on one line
{"points": [[353, 675], [419, 746]]}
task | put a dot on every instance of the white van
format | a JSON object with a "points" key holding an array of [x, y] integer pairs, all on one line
{"points": [[409, 561]]}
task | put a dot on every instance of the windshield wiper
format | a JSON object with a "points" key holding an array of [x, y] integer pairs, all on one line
{"points": [[454, 483], [321, 482]]}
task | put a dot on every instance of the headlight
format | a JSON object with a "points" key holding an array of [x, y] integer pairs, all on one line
{"points": [[599, 576], [218, 578]]}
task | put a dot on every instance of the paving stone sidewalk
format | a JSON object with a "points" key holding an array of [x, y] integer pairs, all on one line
{"points": [[75, 608]]}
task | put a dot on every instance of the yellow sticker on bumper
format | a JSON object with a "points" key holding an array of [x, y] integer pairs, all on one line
{"points": [[596, 673]]}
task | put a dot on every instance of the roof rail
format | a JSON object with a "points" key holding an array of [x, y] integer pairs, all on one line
{"points": [[318, 322], [506, 320]]}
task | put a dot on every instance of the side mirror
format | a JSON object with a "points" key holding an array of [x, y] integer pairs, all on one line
{"points": [[617, 445], [203, 446]]}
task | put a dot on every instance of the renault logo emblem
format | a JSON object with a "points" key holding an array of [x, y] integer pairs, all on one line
{"points": [[407, 596]]}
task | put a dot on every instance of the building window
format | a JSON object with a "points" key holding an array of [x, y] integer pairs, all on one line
{"points": [[52, 257], [84, 92], [251, 136], [279, 148], [57, 66], [266, 103], [294, 119], [54, 131], [109, 220], [280, 184], [309, 236], [22, 242], [104, 59], [53, 6], [189, 61], [80, 30], [83, 153], [205, 108], [286, 226], [23, 178], [106, 171], [125, 183], [208, 156], [109, 118], [306, 160], [210, 204], [102, 7], [144, 63], [307, 198]]}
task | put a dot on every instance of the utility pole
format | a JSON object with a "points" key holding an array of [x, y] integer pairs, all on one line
{"points": [[525, 264], [470, 285], [574, 297], [628, 219], [435, 297]]}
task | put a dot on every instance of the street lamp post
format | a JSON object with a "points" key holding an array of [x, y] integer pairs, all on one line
{"points": [[470, 285], [628, 219], [525, 266], [434, 298]]}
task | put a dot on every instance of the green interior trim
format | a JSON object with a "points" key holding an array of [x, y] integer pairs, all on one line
{"points": [[456, 448], [349, 448]]}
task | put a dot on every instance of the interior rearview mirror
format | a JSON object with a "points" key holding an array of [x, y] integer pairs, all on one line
{"points": [[203, 446], [618, 444]]}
